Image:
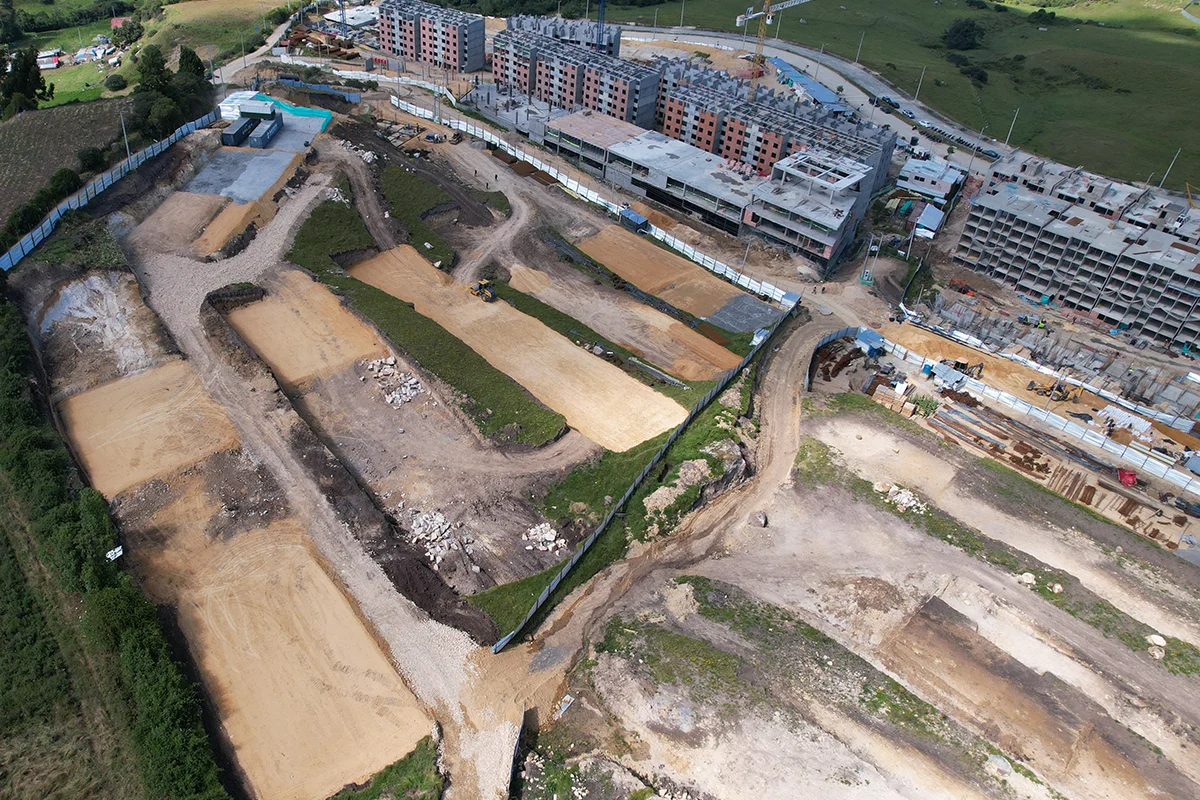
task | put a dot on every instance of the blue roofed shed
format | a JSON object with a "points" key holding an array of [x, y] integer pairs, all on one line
{"points": [[634, 221], [819, 92], [870, 342]]}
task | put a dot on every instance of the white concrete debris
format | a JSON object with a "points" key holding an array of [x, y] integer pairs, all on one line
{"points": [[543, 537], [367, 156], [1156, 640], [431, 530], [1027, 578], [398, 387], [337, 196], [902, 499]]}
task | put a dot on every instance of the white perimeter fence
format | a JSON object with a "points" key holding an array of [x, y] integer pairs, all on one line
{"points": [[93, 189], [1138, 456], [761, 288]]}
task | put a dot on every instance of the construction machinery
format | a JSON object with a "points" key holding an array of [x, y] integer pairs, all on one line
{"points": [[1058, 391], [484, 291], [765, 17]]}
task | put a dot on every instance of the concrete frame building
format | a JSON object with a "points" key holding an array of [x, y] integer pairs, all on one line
{"points": [[811, 202], [710, 110], [570, 76], [935, 178], [580, 32], [1130, 255], [430, 34]]}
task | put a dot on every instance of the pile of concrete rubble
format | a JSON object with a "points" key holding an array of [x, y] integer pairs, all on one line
{"points": [[543, 537], [904, 500], [431, 530], [367, 156], [398, 387], [337, 195]]}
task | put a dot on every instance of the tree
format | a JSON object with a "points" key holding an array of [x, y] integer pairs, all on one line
{"points": [[190, 63], [115, 82], [91, 159], [1041, 17], [164, 118], [10, 31], [152, 69], [963, 34], [129, 32], [23, 87]]}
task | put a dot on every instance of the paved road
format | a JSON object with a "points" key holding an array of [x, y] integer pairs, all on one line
{"points": [[859, 84], [225, 74]]}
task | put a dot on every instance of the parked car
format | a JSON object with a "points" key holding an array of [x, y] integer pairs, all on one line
{"points": [[992, 154], [924, 123], [908, 112]]}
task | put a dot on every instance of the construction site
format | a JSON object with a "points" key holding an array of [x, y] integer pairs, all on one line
{"points": [[415, 431]]}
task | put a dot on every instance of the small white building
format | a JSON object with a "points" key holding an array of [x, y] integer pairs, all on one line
{"points": [[356, 17], [935, 178]]}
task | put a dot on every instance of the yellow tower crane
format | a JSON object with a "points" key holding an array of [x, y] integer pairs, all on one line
{"points": [[765, 17]]}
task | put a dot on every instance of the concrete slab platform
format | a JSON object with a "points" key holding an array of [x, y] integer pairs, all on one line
{"points": [[744, 313], [240, 174], [296, 131]]}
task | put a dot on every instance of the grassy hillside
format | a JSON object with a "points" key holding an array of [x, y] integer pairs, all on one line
{"points": [[1118, 98]]}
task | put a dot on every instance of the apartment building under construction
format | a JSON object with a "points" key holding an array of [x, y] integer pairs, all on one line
{"points": [[1128, 256], [430, 34], [579, 32]]}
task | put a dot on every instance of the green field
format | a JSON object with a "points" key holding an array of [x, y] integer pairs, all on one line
{"points": [[1118, 99]]}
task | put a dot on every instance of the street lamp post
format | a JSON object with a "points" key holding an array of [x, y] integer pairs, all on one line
{"points": [[860, 41], [681, 10], [975, 149], [920, 81]]}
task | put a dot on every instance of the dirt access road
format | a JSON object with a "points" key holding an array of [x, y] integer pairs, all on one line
{"points": [[599, 400]]}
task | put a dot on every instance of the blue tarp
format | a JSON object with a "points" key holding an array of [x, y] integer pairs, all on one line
{"points": [[819, 92]]}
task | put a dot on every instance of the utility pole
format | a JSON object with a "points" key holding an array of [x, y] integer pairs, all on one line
{"points": [[655, 34], [1168, 172], [1013, 125], [681, 10], [817, 72], [125, 135], [587, 9], [242, 36], [919, 82], [779, 25], [974, 150], [860, 41]]}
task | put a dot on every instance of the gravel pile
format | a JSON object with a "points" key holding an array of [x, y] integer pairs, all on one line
{"points": [[431, 530]]}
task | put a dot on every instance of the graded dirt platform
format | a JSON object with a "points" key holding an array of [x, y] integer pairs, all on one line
{"points": [[598, 399], [678, 281], [306, 698], [650, 334], [302, 331], [133, 429], [178, 222]]}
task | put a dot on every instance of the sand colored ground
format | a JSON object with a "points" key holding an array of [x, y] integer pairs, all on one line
{"points": [[306, 698], [650, 268], [598, 399], [133, 429], [302, 331], [657, 218], [650, 334], [178, 222]]}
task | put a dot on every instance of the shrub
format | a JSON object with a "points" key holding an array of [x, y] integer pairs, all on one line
{"points": [[978, 75], [957, 60], [1041, 17], [64, 183], [115, 82], [963, 34], [91, 159]]}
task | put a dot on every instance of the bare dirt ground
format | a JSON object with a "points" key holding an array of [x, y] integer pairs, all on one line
{"points": [[95, 329], [599, 400], [650, 334], [439, 462], [306, 699], [179, 221], [128, 431], [302, 331], [659, 272]]}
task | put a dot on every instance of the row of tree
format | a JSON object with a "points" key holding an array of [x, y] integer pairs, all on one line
{"points": [[72, 531]]}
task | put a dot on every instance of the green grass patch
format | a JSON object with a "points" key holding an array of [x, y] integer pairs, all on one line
{"points": [[496, 200], [83, 241], [499, 406], [410, 196], [1102, 97], [414, 777], [576, 331], [667, 657]]}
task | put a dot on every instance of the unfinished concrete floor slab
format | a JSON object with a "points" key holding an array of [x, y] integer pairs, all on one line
{"points": [[599, 400], [305, 697], [681, 283], [303, 331], [178, 222], [243, 175]]}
